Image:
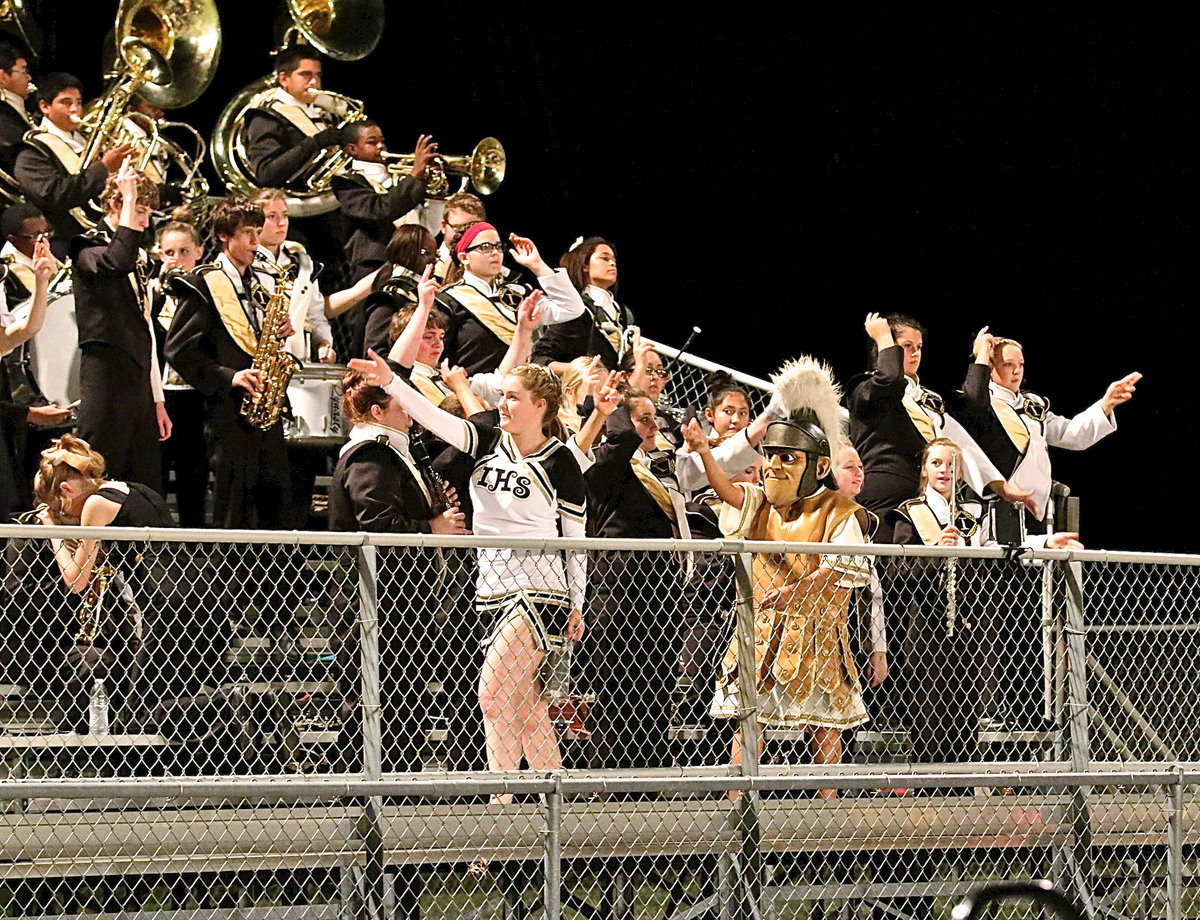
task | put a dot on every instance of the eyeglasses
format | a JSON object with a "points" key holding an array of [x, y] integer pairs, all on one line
{"points": [[658, 372], [36, 237], [428, 253], [459, 228], [20, 70], [486, 247]]}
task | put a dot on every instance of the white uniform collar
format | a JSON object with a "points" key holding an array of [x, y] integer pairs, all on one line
{"points": [[484, 287], [377, 171], [370, 431], [74, 140], [231, 270], [7, 95], [602, 296], [1004, 393], [937, 504], [8, 249], [313, 111]]}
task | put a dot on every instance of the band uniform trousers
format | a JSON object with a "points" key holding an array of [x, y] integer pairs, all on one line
{"points": [[187, 453], [250, 467], [117, 415], [631, 650]]}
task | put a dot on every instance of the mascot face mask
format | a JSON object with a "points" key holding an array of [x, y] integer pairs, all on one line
{"points": [[790, 475]]}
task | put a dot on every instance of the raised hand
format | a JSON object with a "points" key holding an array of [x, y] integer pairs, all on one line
{"points": [[529, 313], [43, 262], [1119, 391], [454, 377], [127, 180], [982, 347], [607, 396], [878, 330], [427, 287], [526, 254], [694, 436], [374, 369]]}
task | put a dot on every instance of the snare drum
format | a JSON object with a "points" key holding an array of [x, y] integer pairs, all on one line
{"points": [[315, 393]]}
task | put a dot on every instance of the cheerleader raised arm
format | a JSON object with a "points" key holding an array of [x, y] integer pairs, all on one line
{"points": [[525, 483]]}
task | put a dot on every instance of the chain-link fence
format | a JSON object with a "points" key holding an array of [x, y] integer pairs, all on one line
{"points": [[346, 725], [689, 386]]}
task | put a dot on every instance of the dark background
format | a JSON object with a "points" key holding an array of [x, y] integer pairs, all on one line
{"points": [[772, 181]]}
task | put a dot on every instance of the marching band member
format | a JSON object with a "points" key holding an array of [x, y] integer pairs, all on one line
{"points": [[47, 165], [591, 264], [525, 483], [284, 135], [308, 303], [1016, 427], [122, 409], [631, 651], [420, 342], [72, 487], [459, 211], [14, 88], [15, 414], [409, 250], [483, 307], [893, 417], [180, 249], [378, 486], [373, 198], [804, 668], [943, 665], [211, 343]]}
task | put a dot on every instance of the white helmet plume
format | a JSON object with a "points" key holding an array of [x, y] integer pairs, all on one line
{"points": [[806, 383]]}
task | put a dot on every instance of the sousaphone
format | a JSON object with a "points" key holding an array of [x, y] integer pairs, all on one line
{"points": [[345, 30]]}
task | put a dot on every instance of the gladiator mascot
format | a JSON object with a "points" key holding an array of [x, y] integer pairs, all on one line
{"points": [[804, 670]]}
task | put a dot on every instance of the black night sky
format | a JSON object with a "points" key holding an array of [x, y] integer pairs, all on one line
{"points": [[774, 181]]}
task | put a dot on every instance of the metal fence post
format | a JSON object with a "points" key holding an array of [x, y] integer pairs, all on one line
{"points": [[1175, 849], [371, 824], [745, 898], [1078, 854], [552, 856]]}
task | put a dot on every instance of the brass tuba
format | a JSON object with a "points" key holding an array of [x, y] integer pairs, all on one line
{"points": [[166, 51], [345, 30], [16, 20], [483, 169]]}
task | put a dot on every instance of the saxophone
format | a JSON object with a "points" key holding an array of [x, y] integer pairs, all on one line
{"points": [[275, 365]]}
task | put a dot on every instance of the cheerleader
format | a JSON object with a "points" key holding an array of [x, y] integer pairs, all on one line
{"points": [[525, 483]]}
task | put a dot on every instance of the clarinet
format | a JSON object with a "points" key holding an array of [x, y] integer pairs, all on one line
{"points": [[951, 562], [433, 480]]}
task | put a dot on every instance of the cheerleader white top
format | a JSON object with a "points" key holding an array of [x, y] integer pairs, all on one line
{"points": [[537, 496]]}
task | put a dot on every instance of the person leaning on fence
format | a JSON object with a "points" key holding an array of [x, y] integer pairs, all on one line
{"points": [[946, 599], [525, 483], [804, 667], [378, 487], [119, 604]]}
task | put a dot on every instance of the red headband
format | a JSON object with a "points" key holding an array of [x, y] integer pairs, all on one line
{"points": [[465, 238]]}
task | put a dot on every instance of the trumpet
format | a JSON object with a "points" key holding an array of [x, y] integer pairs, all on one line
{"points": [[482, 169]]}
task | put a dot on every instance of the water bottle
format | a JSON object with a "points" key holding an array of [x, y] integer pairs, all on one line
{"points": [[98, 709]]}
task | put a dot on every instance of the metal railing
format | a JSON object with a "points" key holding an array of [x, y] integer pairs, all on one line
{"points": [[260, 759]]}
